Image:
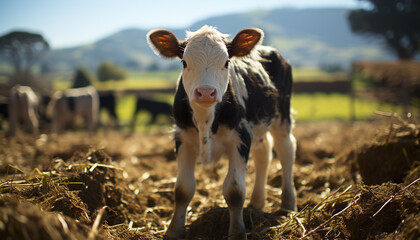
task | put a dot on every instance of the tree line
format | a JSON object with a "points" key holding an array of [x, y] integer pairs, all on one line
{"points": [[106, 71]]}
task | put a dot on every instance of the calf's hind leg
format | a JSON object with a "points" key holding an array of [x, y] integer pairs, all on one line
{"points": [[285, 146], [262, 155]]}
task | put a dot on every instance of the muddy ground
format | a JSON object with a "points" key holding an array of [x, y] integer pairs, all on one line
{"points": [[354, 181]]}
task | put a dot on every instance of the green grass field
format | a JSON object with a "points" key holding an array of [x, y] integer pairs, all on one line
{"points": [[305, 74], [134, 80], [164, 79], [308, 107], [321, 106]]}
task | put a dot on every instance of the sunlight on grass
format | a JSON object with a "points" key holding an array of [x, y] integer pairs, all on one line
{"points": [[306, 74], [321, 106], [134, 80], [125, 107], [125, 110], [164, 79], [132, 84], [61, 85], [309, 107]]}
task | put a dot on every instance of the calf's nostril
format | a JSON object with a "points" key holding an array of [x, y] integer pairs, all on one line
{"points": [[198, 93]]}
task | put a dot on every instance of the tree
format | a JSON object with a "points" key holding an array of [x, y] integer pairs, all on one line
{"points": [[394, 21], [108, 71], [23, 49], [154, 66], [82, 78]]}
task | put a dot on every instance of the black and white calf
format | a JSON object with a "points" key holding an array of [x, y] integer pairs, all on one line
{"points": [[66, 105], [230, 97]]}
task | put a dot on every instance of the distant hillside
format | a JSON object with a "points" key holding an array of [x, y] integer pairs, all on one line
{"points": [[127, 48], [304, 36]]}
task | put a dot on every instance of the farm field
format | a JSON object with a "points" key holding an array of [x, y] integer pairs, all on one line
{"points": [[356, 180], [134, 80], [308, 107], [161, 79], [353, 181]]}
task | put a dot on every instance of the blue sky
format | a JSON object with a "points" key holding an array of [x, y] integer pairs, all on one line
{"points": [[71, 23]]}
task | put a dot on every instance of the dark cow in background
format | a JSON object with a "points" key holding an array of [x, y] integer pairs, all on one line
{"points": [[4, 112], [23, 107], [66, 105], [232, 99], [108, 102], [155, 108]]}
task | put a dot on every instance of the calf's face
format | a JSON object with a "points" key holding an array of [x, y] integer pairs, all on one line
{"points": [[205, 58], [205, 69]]}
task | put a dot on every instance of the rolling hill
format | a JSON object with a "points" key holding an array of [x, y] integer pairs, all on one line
{"points": [[306, 37]]}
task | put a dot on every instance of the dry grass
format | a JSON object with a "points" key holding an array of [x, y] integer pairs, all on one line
{"points": [[116, 186]]}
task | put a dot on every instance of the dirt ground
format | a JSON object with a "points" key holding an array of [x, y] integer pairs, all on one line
{"points": [[354, 181]]}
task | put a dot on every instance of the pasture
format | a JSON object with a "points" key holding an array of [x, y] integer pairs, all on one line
{"points": [[308, 107], [355, 180]]}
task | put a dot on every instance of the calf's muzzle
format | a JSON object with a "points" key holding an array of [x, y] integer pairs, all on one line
{"points": [[205, 95]]}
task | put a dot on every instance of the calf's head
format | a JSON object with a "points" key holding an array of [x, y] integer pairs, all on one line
{"points": [[205, 55]]}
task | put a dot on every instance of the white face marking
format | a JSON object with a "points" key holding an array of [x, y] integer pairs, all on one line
{"points": [[205, 58]]}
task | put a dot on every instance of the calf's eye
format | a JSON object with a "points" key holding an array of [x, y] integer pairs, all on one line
{"points": [[227, 63], [184, 64]]}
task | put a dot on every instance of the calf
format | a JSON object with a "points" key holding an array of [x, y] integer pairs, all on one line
{"points": [[66, 105], [231, 95], [23, 107], [154, 107]]}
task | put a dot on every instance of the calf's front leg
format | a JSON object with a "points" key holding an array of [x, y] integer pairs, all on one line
{"points": [[234, 193], [184, 188]]}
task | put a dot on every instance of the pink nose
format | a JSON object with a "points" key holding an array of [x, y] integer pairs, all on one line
{"points": [[205, 94]]}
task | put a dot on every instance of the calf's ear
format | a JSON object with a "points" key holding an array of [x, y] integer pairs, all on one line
{"points": [[243, 43], [165, 43]]}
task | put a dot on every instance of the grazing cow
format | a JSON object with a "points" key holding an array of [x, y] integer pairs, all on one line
{"points": [[66, 105], [23, 107], [231, 95], [107, 101], [154, 107]]}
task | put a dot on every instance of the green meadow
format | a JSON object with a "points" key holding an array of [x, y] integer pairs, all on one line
{"points": [[321, 106], [307, 107], [307, 74], [134, 80]]}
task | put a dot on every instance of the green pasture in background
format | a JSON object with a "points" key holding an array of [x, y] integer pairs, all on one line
{"points": [[322, 106], [308, 107], [308, 74], [164, 79], [134, 80]]}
